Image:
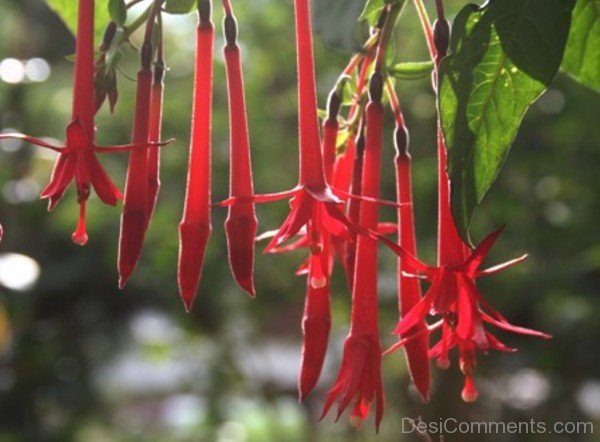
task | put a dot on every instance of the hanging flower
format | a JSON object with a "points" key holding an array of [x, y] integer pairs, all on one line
{"points": [[77, 160], [241, 223], [195, 226], [359, 378]]}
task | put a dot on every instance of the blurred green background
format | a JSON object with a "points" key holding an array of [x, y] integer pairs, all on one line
{"points": [[82, 361]]}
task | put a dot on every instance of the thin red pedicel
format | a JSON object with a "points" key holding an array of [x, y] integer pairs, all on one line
{"points": [[195, 227], [241, 223]]}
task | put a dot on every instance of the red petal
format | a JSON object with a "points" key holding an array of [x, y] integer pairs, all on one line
{"points": [[514, 329], [481, 251], [32, 140], [102, 184], [501, 267]]}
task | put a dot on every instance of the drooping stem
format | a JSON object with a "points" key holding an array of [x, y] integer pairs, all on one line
{"points": [[426, 25]]}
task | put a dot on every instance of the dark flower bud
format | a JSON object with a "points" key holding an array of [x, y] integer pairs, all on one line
{"points": [[146, 55], [109, 35], [441, 37], [204, 10], [382, 18], [333, 105], [376, 87], [230, 29]]}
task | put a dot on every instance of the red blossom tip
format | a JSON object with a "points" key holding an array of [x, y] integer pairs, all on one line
{"points": [[130, 246], [80, 236], [240, 240], [193, 241], [469, 392]]}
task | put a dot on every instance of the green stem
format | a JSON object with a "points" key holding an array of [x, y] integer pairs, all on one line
{"points": [[387, 30], [137, 23]]}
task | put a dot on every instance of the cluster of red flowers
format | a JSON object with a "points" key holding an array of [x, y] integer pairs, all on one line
{"points": [[333, 209]]}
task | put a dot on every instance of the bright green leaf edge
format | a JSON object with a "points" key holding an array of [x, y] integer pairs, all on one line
{"points": [[582, 56], [502, 59]]}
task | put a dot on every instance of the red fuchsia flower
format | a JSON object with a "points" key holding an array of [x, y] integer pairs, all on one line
{"points": [[359, 380], [409, 289], [313, 190], [77, 160], [453, 295], [314, 206], [241, 223], [134, 219], [139, 197], [195, 226]]}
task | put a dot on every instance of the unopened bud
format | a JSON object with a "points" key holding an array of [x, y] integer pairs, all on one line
{"points": [[333, 105], [376, 87], [401, 140], [204, 11], [109, 35], [441, 37], [146, 55], [230, 29]]}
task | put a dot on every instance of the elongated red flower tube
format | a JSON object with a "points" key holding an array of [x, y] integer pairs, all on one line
{"points": [[312, 174], [409, 289], [195, 226], [241, 223], [154, 134], [134, 218], [359, 379]]}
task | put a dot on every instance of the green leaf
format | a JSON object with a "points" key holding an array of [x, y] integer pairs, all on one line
{"points": [[180, 6], [412, 70], [372, 10], [67, 11], [582, 56], [503, 57], [118, 11]]}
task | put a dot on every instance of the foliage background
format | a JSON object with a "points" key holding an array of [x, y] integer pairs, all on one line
{"points": [[84, 362]]}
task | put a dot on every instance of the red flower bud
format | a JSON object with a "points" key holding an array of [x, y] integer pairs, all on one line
{"points": [[241, 223], [195, 226]]}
